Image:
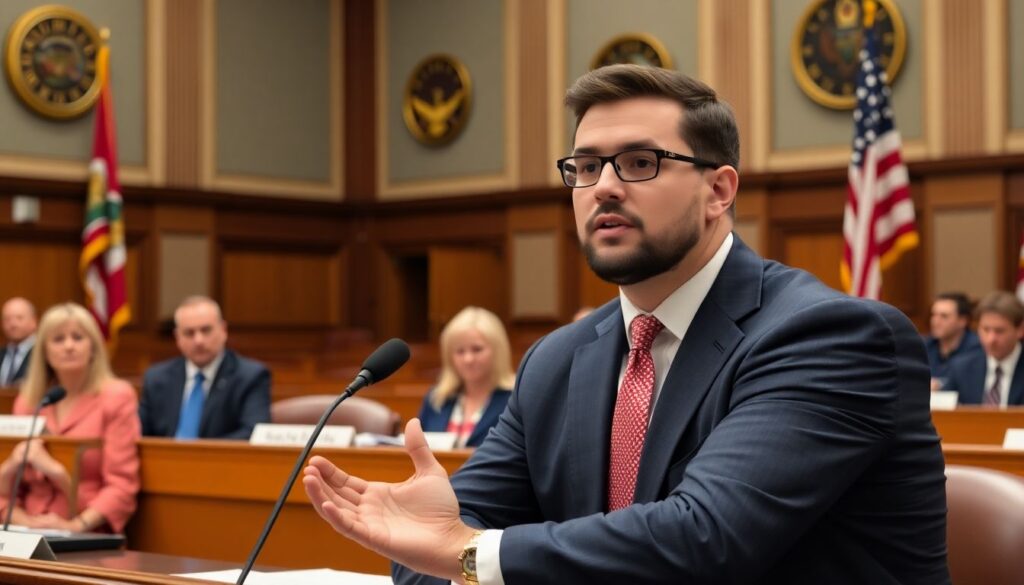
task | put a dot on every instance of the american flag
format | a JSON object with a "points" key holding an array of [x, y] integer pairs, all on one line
{"points": [[878, 222]]}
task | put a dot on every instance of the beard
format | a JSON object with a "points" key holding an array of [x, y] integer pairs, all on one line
{"points": [[651, 257]]}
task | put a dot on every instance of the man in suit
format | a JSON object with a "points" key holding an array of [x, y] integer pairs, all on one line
{"points": [[19, 324], [725, 420], [951, 334], [210, 392], [993, 377]]}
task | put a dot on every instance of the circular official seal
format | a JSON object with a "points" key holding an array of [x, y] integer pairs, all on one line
{"points": [[826, 44], [437, 100], [51, 61], [634, 48]]}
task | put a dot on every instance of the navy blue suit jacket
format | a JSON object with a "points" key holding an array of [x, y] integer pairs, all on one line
{"points": [[437, 420], [791, 443], [238, 399], [966, 375]]}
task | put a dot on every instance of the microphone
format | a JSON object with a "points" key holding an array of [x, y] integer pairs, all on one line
{"points": [[384, 361], [53, 396]]}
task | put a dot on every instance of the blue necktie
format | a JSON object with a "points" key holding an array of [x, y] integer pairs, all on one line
{"points": [[192, 412]]}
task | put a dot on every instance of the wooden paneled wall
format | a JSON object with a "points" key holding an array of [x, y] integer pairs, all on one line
{"points": [[280, 265]]}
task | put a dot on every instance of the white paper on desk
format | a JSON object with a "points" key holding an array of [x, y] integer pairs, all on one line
{"points": [[40, 531], [1013, 439], [303, 577]]}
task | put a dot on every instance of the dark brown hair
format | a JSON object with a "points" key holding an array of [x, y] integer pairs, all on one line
{"points": [[1002, 303], [708, 124]]}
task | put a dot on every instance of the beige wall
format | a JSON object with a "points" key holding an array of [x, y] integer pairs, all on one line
{"points": [[1015, 25], [273, 90]]}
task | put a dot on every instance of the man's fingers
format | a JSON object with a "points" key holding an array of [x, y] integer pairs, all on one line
{"points": [[336, 478], [416, 445]]}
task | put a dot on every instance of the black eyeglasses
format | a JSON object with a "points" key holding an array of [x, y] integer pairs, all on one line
{"points": [[631, 166]]}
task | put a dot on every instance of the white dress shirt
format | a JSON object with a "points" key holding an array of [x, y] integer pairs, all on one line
{"points": [[676, 313], [1008, 364]]}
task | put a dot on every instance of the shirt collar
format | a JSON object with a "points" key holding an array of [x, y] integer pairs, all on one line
{"points": [[209, 372], [1008, 364], [678, 310]]}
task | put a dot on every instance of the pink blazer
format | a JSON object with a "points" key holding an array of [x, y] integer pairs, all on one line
{"points": [[109, 476]]}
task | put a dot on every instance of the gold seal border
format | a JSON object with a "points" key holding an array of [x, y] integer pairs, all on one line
{"points": [[410, 117], [812, 89], [16, 36], [651, 40]]}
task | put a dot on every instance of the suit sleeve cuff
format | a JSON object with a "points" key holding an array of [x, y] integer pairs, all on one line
{"points": [[488, 561]]}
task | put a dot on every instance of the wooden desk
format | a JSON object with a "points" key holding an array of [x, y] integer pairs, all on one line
{"points": [[210, 499], [976, 425], [110, 567], [989, 456]]}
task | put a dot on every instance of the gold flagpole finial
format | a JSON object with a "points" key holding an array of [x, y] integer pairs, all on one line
{"points": [[105, 35], [870, 7]]}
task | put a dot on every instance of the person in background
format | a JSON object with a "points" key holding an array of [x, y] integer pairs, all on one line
{"points": [[951, 334], [209, 392], [992, 377], [97, 405], [19, 324], [476, 377]]}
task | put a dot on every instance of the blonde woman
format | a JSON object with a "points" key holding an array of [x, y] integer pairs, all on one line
{"points": [[476, 378], [70, 353]]}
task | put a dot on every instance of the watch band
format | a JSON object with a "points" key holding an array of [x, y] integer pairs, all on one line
{"points": [[467, 559]]}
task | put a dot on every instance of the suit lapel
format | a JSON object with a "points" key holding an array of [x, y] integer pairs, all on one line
{"points": [[175, 394], [1017, 384], [593, 381], [214, 402], [709, 341]]}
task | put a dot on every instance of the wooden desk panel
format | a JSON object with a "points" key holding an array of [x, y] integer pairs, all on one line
{"points": [[976, 425], [210, 499]]}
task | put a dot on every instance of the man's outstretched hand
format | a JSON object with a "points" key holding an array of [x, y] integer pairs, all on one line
{"points": [[415, 522]]}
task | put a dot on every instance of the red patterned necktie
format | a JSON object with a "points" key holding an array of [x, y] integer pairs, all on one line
{"points": [[994, 395], [632, 411]]}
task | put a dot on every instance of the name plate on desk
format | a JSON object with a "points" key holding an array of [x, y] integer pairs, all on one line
{"points": [[22, 545], [297, 435], [945, 400], [1014, 439], [16, 425]]}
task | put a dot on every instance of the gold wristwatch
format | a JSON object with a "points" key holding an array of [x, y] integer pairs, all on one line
{"points": [[467, 559]]}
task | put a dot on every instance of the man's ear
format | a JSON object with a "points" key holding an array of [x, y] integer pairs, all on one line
{"points": [[724, 181]]}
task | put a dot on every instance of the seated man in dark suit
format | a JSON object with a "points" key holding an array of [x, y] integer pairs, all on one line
{"points": [[211, 392], [727, 419], [19, 324], [951, 334], [993, 377]]}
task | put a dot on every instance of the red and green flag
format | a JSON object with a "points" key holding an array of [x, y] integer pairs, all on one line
{"points": [[103, 256]]}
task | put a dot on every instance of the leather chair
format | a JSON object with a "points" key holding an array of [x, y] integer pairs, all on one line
{"points": [[985, 526], [367, 416]]}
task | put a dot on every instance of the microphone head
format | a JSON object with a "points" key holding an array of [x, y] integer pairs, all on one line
{"points": [[391, 355], [53, 395]]}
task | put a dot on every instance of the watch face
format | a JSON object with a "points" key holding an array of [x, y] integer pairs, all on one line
{"points": [[437, 100], [827, 42], [634, 48], [51, 61]]}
